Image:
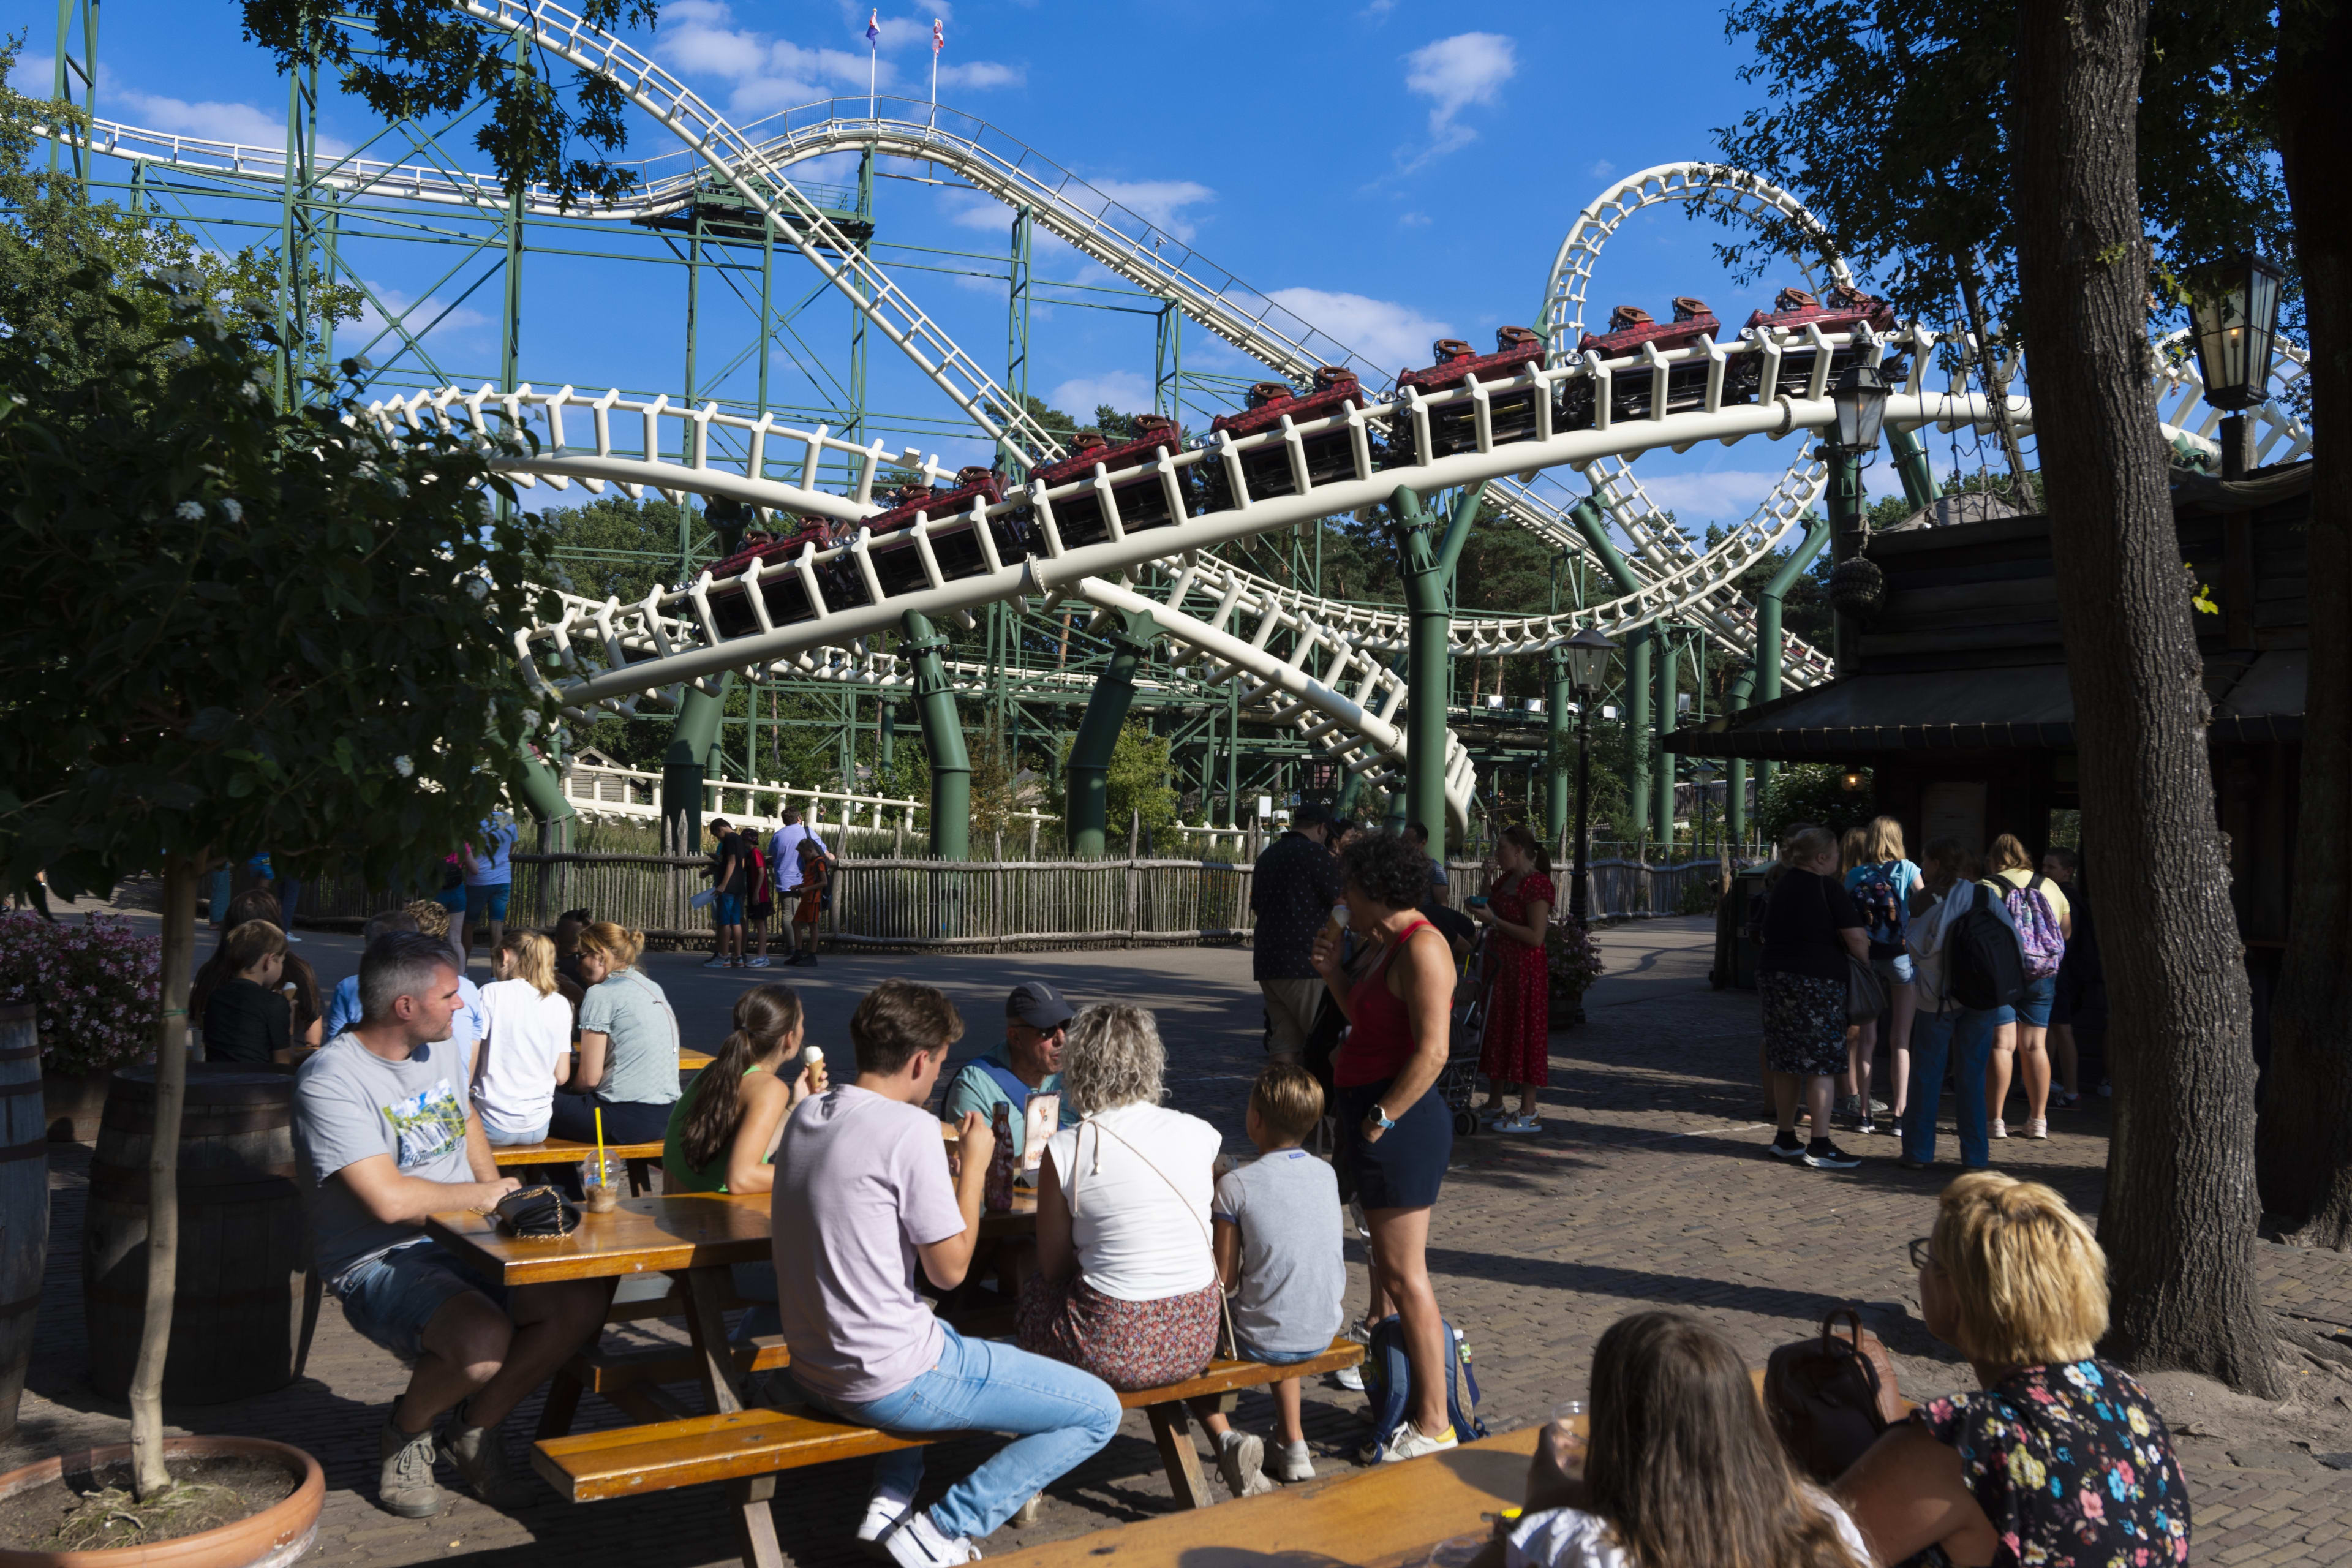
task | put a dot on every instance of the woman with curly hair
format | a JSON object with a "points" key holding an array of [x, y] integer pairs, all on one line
{"points": [[1126, 1284], [1395, 1131]]}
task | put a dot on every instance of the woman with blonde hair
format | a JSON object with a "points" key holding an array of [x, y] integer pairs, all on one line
{"points": [[1126, 1284], [1881, 879], [2060, 1457], [526, 1047], [1681, 1469], [2028, 893], [628, 1045]]}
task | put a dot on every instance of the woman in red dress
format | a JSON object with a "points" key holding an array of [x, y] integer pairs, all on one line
{"points": [[1518, 1055]]}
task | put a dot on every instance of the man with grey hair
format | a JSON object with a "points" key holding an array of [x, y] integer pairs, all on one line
{"points": [[385, 1136]]}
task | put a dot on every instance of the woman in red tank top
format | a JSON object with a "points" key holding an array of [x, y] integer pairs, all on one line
{"points": [[1395, 1132]]}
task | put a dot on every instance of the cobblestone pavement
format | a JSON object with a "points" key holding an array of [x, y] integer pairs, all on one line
{"points": [[1649, 1185]]}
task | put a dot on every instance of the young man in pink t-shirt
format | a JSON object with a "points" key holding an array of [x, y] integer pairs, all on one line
{"points": [[861, 1195]]}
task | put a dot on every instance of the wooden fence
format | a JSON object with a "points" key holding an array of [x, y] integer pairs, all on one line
{"points": [[893, 901]]}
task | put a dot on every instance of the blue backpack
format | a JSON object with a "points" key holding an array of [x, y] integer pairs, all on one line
{"points": [[1884, 915], [1388, 1382]]}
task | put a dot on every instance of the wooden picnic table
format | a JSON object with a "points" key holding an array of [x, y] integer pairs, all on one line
{"points": [[1390, 1516], [696, 1238]]}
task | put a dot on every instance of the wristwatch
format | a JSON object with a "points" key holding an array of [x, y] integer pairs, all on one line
{"points": [[1380, 1118]]}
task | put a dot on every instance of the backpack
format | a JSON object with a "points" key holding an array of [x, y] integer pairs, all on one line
{"points": [[1388, 1382], [1983, 965], [2038, 936], [1883, 914], [761, 890]]}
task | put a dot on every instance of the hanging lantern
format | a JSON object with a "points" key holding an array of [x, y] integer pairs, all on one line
{"points": [[2236, 317]]}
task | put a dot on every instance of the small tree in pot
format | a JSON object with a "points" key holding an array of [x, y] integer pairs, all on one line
{"points": [[227, 623]]}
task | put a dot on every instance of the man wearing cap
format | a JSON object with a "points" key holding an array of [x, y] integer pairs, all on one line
{"points": [[1036, 1022], [1297, 883]]}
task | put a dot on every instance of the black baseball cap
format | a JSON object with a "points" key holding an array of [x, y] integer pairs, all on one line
{"points": [[1039, 1006]]}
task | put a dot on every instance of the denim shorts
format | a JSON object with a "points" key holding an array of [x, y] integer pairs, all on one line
{"points": [[488, 901], [729, 908], [1895, 971], [1278, 1358], [2032, 1006], [391, 1298]]}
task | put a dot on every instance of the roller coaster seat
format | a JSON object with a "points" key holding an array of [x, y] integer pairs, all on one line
{"points": [[785, 541], [1455, 429], [1846, 308], [1630, 327], [1142, 501], [1515, 349], [1335, 389]]}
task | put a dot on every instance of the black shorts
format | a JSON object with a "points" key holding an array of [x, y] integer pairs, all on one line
{"points": [[1405, 1168]]}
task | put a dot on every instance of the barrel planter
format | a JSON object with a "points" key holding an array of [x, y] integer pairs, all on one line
{"points": [[24, 1201], [274, 1538], [75, 1103], [245, 1302]]}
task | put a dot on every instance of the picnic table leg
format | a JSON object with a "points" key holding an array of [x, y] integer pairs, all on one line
{"points": [[706, 1319], [562, 1407], [755, 1523], [1173, 1429]]}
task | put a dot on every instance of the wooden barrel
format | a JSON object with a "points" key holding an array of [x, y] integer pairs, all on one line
{"points": [[245, 1301], [24, 1201]]}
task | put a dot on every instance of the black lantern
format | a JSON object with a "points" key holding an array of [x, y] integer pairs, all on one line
{"points": [[1860, 394], [2236, 315], [1588, 659]]}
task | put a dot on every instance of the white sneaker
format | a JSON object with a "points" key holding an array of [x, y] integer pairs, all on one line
{"points": [[2038, 1128], [758, 961], [914, 1541], [1409, 1444], [1292, 1462], [1523, 1122], [1241, 1461], [881, 1513], [1350, 1378], [1999, 1128]]}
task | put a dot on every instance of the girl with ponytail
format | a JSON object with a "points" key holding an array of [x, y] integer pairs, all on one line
{"points": [[724, 1128]]}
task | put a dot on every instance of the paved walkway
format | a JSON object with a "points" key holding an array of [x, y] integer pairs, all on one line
{"points": [[1648, 1187]]}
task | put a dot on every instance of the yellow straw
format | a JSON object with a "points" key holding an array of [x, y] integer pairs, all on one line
{"points": [[599, 1146]]}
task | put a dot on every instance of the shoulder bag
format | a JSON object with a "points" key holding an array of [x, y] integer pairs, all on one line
{"points": [[1829, 1398]]}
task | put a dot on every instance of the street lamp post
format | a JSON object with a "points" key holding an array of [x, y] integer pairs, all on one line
{"points": [[2236, 316], [1855, 582], [1587, 654]]}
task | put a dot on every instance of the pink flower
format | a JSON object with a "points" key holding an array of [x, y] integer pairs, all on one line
{"points": [[2092, 1506]]}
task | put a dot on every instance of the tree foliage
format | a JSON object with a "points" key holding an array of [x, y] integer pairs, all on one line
{"points": [[227, 626]]}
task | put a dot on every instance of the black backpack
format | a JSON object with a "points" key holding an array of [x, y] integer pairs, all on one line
{"points": [[1983, 966]]}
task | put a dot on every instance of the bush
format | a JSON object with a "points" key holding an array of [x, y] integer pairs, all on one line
{"points": [[1815, 793], [94, 986], [1573, 960]]}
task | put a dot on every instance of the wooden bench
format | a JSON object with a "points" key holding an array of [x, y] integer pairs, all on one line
{"points": [[642, 1157], [740, 1445]]}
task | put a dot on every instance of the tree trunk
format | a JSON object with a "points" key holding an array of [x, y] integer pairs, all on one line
{"points": [[2303, 1150], [148, 1475], [2179, 1214]]}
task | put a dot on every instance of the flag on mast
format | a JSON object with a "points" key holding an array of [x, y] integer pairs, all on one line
{"points": [[873, 49], [939, 42]]}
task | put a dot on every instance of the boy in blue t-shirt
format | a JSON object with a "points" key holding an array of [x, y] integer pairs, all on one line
{"points": [[1278, 1253]]}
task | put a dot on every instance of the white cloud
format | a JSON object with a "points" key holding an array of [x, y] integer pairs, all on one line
{"points": [[1122, 389], [1727, 495], [769, 73], [1159, 202], [1386, 334], [981, 75], [459, 319], [1603, 170], [1452, 74], [1379, 9], [34, 76], [213, 119], [1412, 220]]}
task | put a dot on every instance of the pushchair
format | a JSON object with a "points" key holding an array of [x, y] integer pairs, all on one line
{"points": [[1458, 1080]]}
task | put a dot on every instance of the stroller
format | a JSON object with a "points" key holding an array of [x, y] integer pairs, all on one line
{"points": [[1458, 1080]]}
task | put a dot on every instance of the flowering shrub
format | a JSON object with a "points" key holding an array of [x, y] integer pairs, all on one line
{"points": [[1573, 960], [95, 985]]}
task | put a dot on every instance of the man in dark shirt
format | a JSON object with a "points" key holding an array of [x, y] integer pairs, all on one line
{"points": [[731, 878], [1297, 883]]}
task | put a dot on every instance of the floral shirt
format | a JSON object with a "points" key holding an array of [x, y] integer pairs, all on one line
{"points": [[2073, 1465]]}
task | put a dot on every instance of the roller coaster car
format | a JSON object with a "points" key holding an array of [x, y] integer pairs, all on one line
{"points": [[899, 561], [1331, 454], [1455, 427], [1632, 390], [1135, 484], [1793, 310], [780, 587]]}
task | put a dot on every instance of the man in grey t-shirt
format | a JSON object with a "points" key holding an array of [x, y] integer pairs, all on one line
{"points": [[385, 1136]]}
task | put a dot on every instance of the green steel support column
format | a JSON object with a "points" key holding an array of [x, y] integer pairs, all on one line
{"points": [[854, 428], [1845, 536], [1557, 746], [1351, 785], [75, 79], [543, 796], [935, 704], [1735, 787], [1588, 516], [1427, 566], [767, 302], [693, 297], [293, 225], [1769, 640], [1662, 781], [1233, 753], [687, 763], [1016, 328], [1911, 464], [1087, 806], [1167, 365]]}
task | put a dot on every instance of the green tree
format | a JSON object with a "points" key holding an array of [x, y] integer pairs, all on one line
{"points": [[226, 625], [1140, 787], [1815, 793]]}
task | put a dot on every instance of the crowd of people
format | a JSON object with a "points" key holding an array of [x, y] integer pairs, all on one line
{"points": [[1980, 964]]}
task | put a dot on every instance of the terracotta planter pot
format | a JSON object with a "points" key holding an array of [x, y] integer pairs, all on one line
{"points": [[273, 1538], [72, 1104]]}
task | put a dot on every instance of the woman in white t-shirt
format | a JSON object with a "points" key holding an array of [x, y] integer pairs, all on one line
{"points": [[526, 1046], [1126, 1284], [1681, 1468]]}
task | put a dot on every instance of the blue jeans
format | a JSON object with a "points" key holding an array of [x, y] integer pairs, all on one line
{"points": [[1059, 1417], [1933, 1039], [395, 1296]]}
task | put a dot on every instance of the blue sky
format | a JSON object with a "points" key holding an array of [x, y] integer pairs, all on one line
{"points": [[1392, 171]]}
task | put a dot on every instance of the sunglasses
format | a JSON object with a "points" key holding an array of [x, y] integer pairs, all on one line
{"points": [[1920, 1253]]}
